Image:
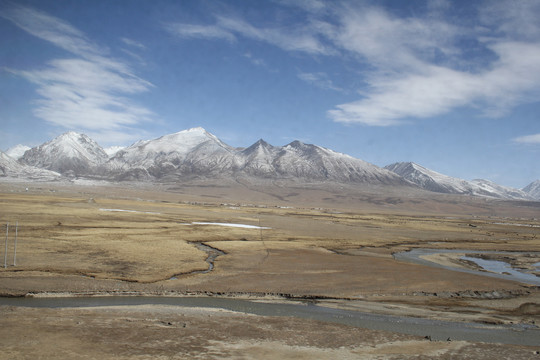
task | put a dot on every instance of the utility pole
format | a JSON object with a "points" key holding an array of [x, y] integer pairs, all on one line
{"points": [[5, 253], [15, 252], [260, 228]]}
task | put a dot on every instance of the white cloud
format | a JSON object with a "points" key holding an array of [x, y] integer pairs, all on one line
{"points": [[199, 31], [52, 29], [133, 43], [229, 28], [512, 18], [391, 43], [416, 66], [408, 81], [528, 139], [312, 6], [320, 80], [87, 92]]}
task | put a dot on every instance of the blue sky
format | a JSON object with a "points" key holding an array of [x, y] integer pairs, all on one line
{"points": [[451, 85]]}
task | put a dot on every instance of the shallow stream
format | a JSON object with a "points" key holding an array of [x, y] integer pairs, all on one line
{"points": [[518, 334], [497, 269]]}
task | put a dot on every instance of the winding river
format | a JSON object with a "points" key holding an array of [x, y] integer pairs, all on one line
{"points": [[518, 334], [496, 269]]}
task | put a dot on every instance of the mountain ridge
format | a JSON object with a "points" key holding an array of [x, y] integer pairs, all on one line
{"points": [[437, 182], [196, 154], [69, 154]]}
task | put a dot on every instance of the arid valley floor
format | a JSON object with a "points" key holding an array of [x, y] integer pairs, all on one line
{"points": [[331, 247]]}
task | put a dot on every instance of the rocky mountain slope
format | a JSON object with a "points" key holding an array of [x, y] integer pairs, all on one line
{"points": [[433, 181], [10, 168], [533, 190], [70, 154], [195, 153], [489, 188]]}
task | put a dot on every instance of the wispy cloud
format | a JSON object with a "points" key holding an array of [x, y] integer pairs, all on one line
{"points": [[311, 6], [230, 28], [528, 139], [199, 31], [410, 67], [87, 92], [419, 71], [288, 38], [320, 80], [133, 43]]}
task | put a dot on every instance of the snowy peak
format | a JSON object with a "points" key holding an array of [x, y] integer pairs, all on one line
{"points": [[10, 168], [17, 151], [489, 188], [533, 190], [431, 180], [259, 148], [258, 159], [8, 165], [70, 153], [195, 153], [314, 162], [186, 153], [181, 142]]}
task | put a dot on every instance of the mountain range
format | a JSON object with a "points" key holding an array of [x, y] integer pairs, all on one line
{"points": [[196, 154]]}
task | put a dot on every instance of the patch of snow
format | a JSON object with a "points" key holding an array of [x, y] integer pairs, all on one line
{"points": [[130, 211], [514, 224], [231, 225]]}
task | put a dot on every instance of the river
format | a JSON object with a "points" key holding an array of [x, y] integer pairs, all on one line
{"points": [[496, 269], [517, 334]]}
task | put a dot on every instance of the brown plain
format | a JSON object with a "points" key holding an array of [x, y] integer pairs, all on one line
{"points": [[333, 245]]}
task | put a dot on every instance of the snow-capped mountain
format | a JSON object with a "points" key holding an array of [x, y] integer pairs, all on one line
{"points": [[258, 159], [533, 190], [10, 168], [195, 153], [437, 182], [489, 188], [186, 153], [70, 154], [430, 180], [16, 152], [314, 162]]}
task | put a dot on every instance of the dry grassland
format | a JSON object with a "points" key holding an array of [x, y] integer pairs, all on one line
{"points": [[167, 333], [113, 235], [319, 244]]}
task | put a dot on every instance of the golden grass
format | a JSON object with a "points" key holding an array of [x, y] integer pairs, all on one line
{"points": [[67, 233]]}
